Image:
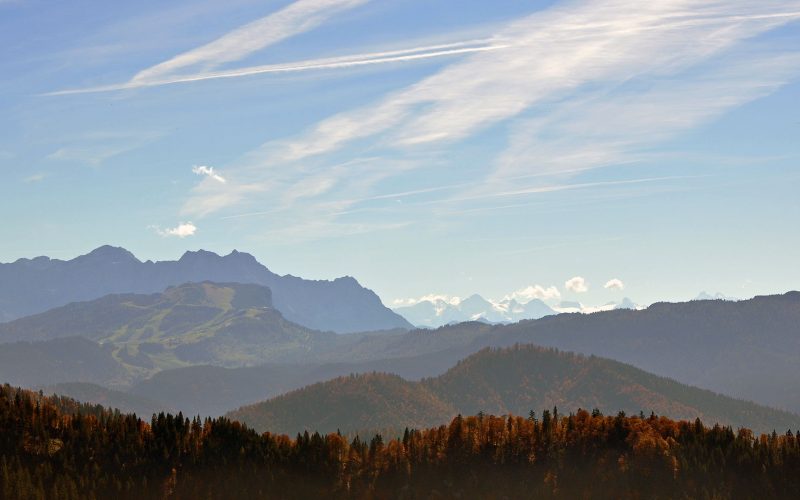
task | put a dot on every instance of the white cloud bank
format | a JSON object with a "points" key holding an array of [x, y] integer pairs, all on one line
{"points": [[577, 284], [182, 230], [614, 284]]}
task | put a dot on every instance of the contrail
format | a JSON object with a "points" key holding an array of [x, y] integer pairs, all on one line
{"points": [[371, 58]]}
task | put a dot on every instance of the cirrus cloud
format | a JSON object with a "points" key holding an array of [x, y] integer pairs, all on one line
{"points": [[295, 18]]}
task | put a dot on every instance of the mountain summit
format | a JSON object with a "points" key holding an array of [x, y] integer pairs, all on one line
{"points": [[30, 286]]}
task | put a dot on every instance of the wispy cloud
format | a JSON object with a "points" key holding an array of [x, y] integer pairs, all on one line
{"points": [[341, 62], [182, 230], [579, 86], [551, 55], [208, 172], [604, 128], [297, 17]]}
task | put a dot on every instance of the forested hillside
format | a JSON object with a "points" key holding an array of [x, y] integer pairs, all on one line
{"points": [[511, 380], [55, 448]]}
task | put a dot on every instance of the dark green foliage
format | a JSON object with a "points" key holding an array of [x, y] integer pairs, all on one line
{"points": [[53, 447]]}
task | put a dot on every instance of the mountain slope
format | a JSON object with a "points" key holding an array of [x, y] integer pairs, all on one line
{"points": [[351, 403], [42, 363], [513, 380], [520, 378], [748, 349], [30, 286], [213, 390], [223, 324]]}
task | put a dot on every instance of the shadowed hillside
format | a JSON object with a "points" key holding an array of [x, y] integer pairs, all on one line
{"points": [[42, 363], [368, 401], [748, 349], [513, 380]]}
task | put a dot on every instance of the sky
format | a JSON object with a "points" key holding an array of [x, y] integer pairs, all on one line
{"points": [[567, 150]]}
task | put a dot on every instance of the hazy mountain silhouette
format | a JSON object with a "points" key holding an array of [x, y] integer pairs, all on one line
{"points": [[513, 380], [30, 286], [438, 312]]}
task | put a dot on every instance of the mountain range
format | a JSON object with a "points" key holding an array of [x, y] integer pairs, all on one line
{"points": [[29, 286], [514, 380], [439, 311], [748, 349], [434, 312], [248, 335]]}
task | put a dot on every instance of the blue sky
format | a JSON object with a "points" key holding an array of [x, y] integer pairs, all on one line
{"points": [[444, 147]]}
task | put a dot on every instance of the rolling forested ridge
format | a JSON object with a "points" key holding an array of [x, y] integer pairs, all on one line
{"points": [[500, 381], [54, 447]]}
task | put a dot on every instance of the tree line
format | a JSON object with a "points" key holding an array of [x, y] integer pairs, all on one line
{"points": [[54, 447]]}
